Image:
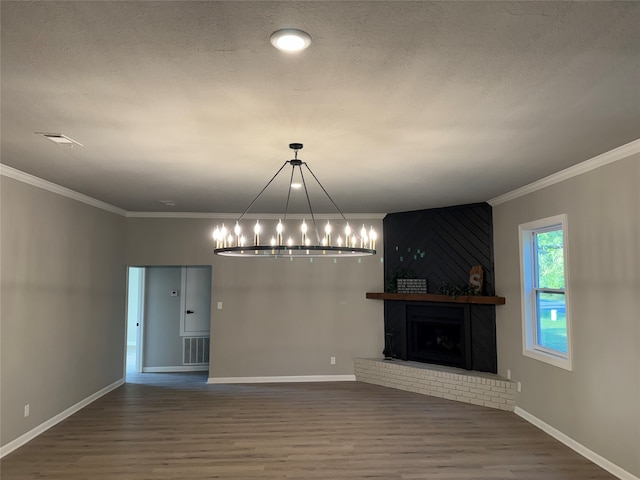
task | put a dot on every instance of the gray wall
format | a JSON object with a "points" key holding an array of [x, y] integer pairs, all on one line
{"points": [[279, 317], [598, 403], [162, 340], [63, 303]]}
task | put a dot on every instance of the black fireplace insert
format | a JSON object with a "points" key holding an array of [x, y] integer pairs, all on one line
{"points": [[439, 334]]}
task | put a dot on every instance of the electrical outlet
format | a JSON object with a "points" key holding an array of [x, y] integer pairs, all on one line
{"points": [[333, 360], [508, 374], [26, 410], [219, 305], [519, 387]]}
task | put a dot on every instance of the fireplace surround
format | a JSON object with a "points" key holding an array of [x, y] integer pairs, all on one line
{"points": [[441, 245], [461, 335]]}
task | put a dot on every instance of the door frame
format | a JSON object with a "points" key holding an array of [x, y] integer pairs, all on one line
{"points": [[139, 314], [140, 319]]}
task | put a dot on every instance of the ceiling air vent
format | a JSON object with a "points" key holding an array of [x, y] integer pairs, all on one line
{"points": [[59, 139]]}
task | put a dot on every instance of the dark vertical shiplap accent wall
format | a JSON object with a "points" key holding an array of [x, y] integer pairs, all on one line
{"points": [[442, 245]]}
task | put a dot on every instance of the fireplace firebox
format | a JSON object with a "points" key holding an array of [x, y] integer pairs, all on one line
{"points": [[439, 334]]}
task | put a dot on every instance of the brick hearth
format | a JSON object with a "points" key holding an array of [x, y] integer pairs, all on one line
{"points": [[478, 388]]}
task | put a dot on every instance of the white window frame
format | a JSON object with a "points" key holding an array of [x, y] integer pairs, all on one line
{"points": [[530, 348]]}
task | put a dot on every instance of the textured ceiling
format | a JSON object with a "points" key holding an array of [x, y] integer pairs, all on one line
{"points": [[400, 105]]}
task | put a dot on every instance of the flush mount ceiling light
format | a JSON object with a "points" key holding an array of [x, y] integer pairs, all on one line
{"points": [[59, 138], [345, 242], [290, 40]]}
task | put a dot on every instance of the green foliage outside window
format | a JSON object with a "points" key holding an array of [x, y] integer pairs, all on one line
{"points": [[550, 258]]}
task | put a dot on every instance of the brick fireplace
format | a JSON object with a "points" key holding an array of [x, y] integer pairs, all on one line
{"points": [[477, 388]]}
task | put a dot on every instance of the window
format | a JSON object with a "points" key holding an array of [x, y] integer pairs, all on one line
{"points": [[544, 269]]}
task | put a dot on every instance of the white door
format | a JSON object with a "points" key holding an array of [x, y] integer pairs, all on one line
{"points": [[196, 301]]}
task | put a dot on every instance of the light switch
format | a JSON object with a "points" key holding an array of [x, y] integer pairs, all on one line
{"points": [[219, 305]]}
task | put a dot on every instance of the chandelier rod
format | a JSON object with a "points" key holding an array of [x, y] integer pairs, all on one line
{"points": [[326, 193], [286, 207], [304, 183], [262, 191]]}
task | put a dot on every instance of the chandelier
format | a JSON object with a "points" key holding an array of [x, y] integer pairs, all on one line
{"points": [[335, 241]]}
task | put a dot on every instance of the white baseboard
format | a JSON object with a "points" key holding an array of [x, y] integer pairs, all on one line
{"points": [[43, 427], [176, 369], [284, 379], [610, 467]]}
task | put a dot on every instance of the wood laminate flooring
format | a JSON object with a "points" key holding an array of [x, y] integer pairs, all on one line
{"points": [[175, 426]]}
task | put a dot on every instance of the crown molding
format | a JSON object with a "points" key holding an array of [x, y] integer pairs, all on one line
{"points": [[257, 216], [21, 176], [611, 156], [182, 215]]}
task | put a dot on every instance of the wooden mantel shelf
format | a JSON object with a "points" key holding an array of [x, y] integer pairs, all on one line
{"points": [[429, 297]]}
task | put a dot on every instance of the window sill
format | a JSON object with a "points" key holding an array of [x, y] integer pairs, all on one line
{"points": [[556, 361]]}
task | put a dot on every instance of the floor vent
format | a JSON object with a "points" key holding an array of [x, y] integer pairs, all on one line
{"points": [[195, 351]]}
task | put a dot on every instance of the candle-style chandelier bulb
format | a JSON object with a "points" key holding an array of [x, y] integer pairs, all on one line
{"points": [[327, 231], [303, 228]]}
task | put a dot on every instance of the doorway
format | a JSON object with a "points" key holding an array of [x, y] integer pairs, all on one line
{"points": [[168, 320]]}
